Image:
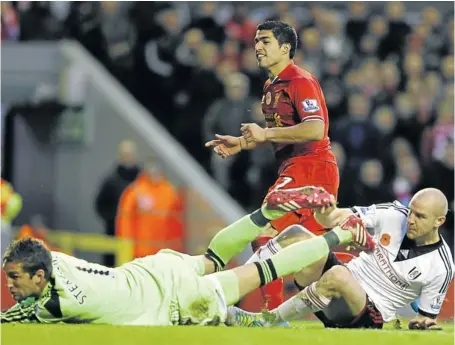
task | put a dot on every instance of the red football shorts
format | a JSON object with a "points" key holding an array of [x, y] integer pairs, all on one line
{"points": [[303, 171]]}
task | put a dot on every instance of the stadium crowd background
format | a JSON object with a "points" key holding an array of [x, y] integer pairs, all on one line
{"points": [[386, 70]]}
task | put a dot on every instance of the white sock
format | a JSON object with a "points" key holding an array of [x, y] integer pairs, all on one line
{"points": [[290, 310], [265, 252], [306, 301]]}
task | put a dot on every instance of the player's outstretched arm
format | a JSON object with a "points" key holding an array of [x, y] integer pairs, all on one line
{"points": [[433, 294], [300, 133], [227, 145]]}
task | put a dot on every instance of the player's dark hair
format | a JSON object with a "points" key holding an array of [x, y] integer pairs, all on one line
{"points": [[32, 254], [284, 33]]}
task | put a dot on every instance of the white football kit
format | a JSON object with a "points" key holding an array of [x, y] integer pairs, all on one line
{"points": [[398, 272]]}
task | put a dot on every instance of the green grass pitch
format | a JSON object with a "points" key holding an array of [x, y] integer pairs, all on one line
{"points": [[310, 332]]}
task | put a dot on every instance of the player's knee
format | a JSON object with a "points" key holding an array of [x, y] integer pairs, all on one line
{"points": [[334, 281], [338, 275], [292, 234]]}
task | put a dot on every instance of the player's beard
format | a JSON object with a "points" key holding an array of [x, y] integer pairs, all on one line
{"points": [[268, 63], [265, 62], [261, 62]]}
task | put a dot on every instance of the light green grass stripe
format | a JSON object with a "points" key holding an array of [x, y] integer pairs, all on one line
{"points": [[310, 333]]}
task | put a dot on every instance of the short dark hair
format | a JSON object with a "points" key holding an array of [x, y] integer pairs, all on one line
{"points": [[284, 33], [32, 253]]}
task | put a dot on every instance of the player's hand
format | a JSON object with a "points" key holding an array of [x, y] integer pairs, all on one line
{"points": [[253, 133], [327, 209], [225, 145], [424, 323], [360, 236]]}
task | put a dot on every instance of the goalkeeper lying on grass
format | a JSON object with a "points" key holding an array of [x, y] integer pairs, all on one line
{"points": [[168, 288]]}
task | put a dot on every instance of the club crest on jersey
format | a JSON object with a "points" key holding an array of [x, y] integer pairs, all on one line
{"points": [[310, 105], [414, 273], [268, 98]]}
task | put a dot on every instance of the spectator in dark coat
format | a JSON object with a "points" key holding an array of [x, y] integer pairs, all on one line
{"points": [[112, 188]]}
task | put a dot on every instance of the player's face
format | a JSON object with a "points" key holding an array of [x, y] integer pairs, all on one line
{"points": [[20, 284], [268, 50], [421, 221]]}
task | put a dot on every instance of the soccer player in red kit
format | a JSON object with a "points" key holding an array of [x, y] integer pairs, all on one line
{"points": [[297, 126]]}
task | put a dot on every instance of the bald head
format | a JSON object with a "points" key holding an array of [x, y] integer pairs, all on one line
{"points": [[428, 209], [433, 200], [127, 152]]}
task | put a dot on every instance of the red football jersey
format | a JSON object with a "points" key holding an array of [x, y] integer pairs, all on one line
{"points": [[292, 97]]}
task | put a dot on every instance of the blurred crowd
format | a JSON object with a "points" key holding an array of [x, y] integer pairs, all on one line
{"points": [[386, 71]]}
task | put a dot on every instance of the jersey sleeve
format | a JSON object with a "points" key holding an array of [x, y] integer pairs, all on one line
{"points": [[434, 291], [306, 97], [369, 214], [23, 312], [377, 215]]}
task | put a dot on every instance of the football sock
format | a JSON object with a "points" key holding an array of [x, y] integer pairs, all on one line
{"points": [[230, 241], [264, 248], [271, 214], [306, 301], [343, 236], [230, 284], [297, 256]]}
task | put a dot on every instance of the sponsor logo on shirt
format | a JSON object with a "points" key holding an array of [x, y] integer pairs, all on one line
{"points": [[387, 269], [310, 105], [273, 120]]}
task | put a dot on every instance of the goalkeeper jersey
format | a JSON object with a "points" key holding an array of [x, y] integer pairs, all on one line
{"points": [[137, 293]]}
